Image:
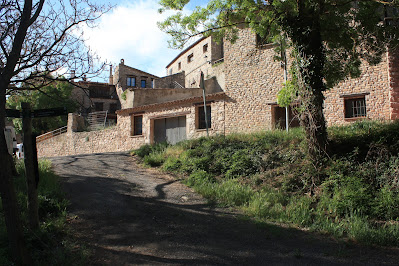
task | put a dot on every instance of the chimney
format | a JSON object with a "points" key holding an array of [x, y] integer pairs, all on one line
{"points": [[122, 61], [111, 77]]}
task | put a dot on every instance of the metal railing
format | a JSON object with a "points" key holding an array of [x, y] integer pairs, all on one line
{"points": [[51, 134], [177, 85]]}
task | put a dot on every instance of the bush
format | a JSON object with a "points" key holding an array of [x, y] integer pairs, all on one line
{"points": [[154, 159], [269, 176]]}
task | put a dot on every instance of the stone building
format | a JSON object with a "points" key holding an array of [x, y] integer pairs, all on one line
{"points": [[242, 81], [96, 96], [241, 85]]}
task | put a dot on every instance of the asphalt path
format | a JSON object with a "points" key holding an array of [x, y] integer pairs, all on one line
{"points": [[130, 215]]}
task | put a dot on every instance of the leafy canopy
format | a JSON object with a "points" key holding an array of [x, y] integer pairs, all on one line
{"points": [[56, 94]]}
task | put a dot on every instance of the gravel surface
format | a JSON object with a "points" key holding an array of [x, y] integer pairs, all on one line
{"points": [[129, 215]]}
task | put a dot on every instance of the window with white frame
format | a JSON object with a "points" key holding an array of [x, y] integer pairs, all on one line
{"points": [[355, 107]]}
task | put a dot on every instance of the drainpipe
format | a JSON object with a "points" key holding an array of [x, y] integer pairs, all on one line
{"points": [[202, 85], [284, 58]]}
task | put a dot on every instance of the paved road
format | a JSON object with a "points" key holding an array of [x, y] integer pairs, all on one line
{"points": [[130, 215]]}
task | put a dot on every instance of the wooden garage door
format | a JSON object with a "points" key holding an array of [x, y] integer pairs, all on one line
{"points": [[171, 130]]}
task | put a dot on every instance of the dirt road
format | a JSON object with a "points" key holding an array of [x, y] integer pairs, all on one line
{"points": [[130, 215]]}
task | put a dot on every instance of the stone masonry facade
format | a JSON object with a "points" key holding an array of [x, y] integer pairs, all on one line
{"points": [[242, 81]]}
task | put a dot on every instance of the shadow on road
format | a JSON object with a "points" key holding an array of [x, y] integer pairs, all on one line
{"points": [[128, 216]]}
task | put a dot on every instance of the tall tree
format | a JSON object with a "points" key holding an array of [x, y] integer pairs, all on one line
{"points": [[329, 38], [37, 37]]}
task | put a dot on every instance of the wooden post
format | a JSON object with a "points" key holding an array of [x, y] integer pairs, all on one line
{"points": [[30, 172]]}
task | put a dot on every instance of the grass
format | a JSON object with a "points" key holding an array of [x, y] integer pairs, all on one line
{"points": [[269, 177], [52, 244]]}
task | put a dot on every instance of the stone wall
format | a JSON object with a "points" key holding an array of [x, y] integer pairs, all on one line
{"points": [[118, 138], [108, 140], [253, 80], [168, 81], [202, 61], [393, 66], [189, 110], [373, 84]]}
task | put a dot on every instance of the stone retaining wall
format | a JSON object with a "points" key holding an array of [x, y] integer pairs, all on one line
{"points": [[108, 140]]}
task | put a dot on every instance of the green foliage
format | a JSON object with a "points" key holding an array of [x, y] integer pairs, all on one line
{"points": [[51, 244], [287, 94], [269, 176], [57, 94], [123, 96]]}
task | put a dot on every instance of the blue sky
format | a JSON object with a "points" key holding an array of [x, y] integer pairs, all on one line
{"points": [[130, 32]]}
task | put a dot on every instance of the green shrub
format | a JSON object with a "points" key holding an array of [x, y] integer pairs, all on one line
{"points": [[386, 204], [348, 194], [243, 163], [154, 159], [172, 164], [299, 210]]}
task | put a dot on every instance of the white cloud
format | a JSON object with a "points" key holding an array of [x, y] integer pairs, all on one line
{"points": [[130, 32]]}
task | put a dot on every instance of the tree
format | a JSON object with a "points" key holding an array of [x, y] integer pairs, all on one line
{"points": [[329, 39], [56, 94], [37, 37]]}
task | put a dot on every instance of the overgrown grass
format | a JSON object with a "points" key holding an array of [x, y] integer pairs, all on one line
{"points": [[51, 244], [269, 176]]}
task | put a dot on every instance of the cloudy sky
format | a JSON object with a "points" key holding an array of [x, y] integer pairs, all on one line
{"points": [[130, 32]]}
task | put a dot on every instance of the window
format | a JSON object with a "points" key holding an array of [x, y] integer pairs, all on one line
{"points": [[98, 106], [170, 71], [137, 125], [190, 58], [131, 81], [152, 83], [179, 65], [113, 107], [143, 83], [205, 48], [355, 107], [201, 117]]}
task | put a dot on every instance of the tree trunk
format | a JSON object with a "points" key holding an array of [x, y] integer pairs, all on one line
{"points": [[307, 40], [8, 195], [29, 157]]}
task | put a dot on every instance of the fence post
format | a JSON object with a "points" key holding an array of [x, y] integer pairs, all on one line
{"points": [[30, 172]]}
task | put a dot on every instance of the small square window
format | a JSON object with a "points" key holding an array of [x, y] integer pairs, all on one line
{"points": [[355, 107], [137, 125], [143, 83], [205, 48], [131, 81], [201, 117], [190, 58], [179, 65]]}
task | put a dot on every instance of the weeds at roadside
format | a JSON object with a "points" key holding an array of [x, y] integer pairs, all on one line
{"points": [[268, 176], [52, 243]]}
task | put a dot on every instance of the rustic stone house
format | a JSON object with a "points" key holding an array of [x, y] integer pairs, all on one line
{"points": [[242, 81]]}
